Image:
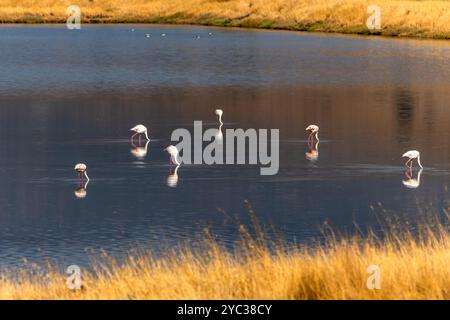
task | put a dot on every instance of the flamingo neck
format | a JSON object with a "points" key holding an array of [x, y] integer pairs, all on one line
{"points": [[175, 160], [317, 136], [418, 161], [418, 175], [146, 135], [87, 178], [220, 119]]}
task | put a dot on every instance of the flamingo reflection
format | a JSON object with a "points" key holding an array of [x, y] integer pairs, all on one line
{"points": [[172, 178], [219, 134], [410, 182], [313, 153], [81, 190], [138, 151]]}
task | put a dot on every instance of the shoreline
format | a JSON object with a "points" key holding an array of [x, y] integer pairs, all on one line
{"points": [[401, 19], [417, 35]]}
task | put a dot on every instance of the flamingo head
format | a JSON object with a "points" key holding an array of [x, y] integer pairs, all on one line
{"points": [[172, 150], [312, 128]]}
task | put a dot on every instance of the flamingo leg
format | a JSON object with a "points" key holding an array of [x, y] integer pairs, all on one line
{"points": [[139, 139], [132, 136], [407, 163]]}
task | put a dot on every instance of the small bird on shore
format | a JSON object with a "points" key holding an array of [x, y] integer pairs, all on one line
{"points": [[313, 129], [412, 154], [147, 35], [81, 169], [139, 129], [219, 113], [173, 152]]}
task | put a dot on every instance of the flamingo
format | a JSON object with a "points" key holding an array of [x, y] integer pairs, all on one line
{"points": [[81, 168], [313, 129], [139, 129], [412, 154], [219, 113], [173, 152]]}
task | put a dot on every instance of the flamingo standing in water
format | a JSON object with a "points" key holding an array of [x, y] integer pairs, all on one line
{"points": [[219, 113], [313, 129], [173, 152], [412, 154], [139, 129], [81, 168]]}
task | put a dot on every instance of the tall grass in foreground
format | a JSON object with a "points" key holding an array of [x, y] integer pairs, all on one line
{"points": [[412, 267], [428, 18]]}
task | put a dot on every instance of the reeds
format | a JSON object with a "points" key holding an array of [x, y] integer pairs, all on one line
{"points": [[410, 18], [412, 266]]}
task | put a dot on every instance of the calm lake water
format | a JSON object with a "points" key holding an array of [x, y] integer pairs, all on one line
{"points": [[71, 96]]}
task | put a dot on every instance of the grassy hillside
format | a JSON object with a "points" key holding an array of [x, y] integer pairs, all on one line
{"points": [[429, 19]]}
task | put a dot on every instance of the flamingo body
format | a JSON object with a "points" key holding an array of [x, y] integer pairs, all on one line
{"points": [[140, 129], [173, 152], [81, 169], [313, 129], [412, 154]]}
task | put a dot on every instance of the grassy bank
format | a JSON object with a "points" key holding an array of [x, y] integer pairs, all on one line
{"points": [[429, 19], [411, 268]]}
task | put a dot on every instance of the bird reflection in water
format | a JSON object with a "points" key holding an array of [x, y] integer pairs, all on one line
{"points": [[410, 182], [138, 151], [219, 134], [81, 190], [313, 151], [172, 178]]}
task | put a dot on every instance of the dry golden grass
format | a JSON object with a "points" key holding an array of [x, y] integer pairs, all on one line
{"points": [[411, 268], [398, 17]]}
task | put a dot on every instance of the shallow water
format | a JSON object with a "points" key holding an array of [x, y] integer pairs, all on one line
{"points": [[71, 96]]}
